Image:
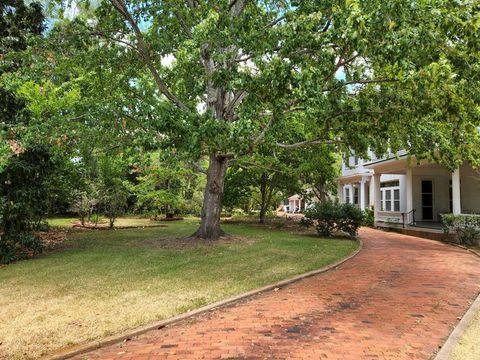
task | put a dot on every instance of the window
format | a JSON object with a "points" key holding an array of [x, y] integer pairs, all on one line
{"points": [[392, 183], [396, 200], [382, 196], [355, 195], [347, 195], [388, 200]]}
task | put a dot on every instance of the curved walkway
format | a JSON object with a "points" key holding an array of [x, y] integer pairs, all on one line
{"points": [[398, 299]]}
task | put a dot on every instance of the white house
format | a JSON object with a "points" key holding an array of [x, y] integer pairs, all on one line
{"points": [[404, 192], [297, 204]]}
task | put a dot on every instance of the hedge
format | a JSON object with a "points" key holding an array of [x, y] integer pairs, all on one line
{"points": [[465, 228]]}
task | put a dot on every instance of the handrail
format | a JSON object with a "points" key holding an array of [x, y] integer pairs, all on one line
{"points": [[408, 218]]}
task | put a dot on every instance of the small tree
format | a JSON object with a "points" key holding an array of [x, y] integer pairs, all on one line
{"points": [[114, 200]]}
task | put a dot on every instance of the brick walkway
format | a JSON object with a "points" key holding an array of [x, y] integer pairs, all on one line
{"points": [[398, 299]]}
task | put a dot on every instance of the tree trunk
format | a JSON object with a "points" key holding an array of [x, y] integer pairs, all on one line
{"points": [[263, 190], [212, 200]]}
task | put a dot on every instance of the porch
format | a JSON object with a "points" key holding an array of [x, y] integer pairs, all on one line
{"points": [[425, 191]]}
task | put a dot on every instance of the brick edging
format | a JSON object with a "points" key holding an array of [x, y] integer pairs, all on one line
{"points": [[82, 349], [458, 331]]}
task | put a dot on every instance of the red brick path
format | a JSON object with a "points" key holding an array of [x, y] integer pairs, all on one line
{"points": [[398, 299]]}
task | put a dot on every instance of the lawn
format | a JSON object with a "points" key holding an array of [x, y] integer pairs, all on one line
{"points": [[104, 282]]}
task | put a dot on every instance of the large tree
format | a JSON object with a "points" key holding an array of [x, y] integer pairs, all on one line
{"points": [[218, 78]]}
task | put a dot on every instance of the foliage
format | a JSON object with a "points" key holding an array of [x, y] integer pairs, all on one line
{"points": [[466, 228], [112, 187], [265, 178], [331, 216], [27, 188], [368, 217], [167, 186], [83, 205], [19, 23]]}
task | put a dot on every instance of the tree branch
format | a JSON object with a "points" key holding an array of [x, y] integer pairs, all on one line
{"points": [[196, 166], [129, 44], [120, 6], [308, 143], [236, 7]]}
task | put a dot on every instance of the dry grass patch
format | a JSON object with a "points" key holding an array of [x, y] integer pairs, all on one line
{"points": [[468, 348]]}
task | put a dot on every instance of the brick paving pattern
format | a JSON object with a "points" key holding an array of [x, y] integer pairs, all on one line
{"points": [[398, 299]]}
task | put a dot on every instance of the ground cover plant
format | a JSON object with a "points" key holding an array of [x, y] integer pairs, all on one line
{"points": [[103, 282]]}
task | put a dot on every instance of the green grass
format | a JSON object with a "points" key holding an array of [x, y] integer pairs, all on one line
{"points": [[108, 281]]}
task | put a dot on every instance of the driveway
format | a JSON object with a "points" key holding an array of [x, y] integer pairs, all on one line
{"points": [[399, 298]]}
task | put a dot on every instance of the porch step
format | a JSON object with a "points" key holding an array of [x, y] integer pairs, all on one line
{"points": [[432, 234]]}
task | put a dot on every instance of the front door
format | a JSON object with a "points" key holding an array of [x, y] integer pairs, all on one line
{"points": [[427, 200]]}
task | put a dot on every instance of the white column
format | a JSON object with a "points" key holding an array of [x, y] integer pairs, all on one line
{"points": [[371, 193], [456, 199], [361, 195], [376, 195], [409, 190]]}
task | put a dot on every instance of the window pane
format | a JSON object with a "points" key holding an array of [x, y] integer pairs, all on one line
{"points": [[427, 199], [427, 186], [388, 205], [396, 205], [388, 194], [396, 194]]}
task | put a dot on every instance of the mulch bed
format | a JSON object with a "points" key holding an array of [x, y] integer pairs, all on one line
{"points": [[53, 238], [189, 242], [105, 226]]}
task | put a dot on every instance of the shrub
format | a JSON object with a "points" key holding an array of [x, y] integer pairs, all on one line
{"points": [[26, 185], [329, 217], [368, 217], [466, 228]]}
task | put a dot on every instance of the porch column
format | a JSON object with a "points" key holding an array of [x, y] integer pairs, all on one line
{"points": [[361, 194], [456, 200], [371, 192], [376, 195], [409, 190]]}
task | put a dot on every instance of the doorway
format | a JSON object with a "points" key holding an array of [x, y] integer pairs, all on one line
{"points": [[427, 200]]}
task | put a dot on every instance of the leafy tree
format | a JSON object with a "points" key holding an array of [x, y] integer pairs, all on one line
{"points": [[267, 178], [219, 78], [27, 190], [167, 186], [19, 23], [112, 187]]}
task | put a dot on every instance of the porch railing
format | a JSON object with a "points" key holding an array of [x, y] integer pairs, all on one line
{"points": [[408, 218]]}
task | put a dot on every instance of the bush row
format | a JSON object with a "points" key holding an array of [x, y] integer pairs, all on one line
{"points": [[465, 228]]}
